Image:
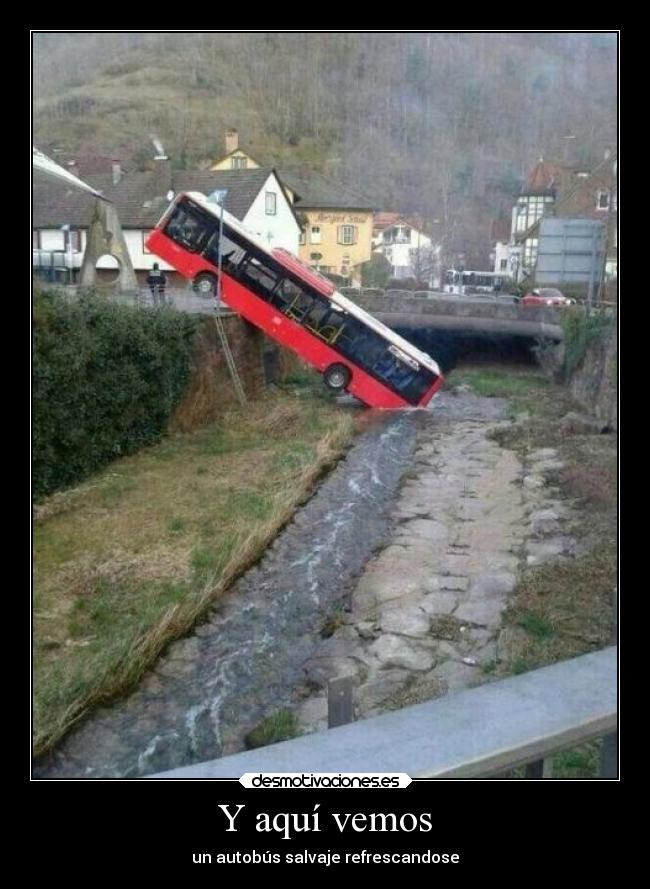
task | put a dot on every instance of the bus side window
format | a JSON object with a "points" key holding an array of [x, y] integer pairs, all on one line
{"points": [[332, 326], [231, 255], [261, 276], [285, 293]]}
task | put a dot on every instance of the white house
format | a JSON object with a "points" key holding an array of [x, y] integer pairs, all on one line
{"points": [[411, 252], [61, 215]]}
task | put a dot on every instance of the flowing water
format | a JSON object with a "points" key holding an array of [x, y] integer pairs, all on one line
{"points": [[246, 661], [418, 533]]}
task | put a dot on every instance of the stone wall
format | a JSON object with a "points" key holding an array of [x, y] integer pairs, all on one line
{"points": [[210, 392], [595, 382]]}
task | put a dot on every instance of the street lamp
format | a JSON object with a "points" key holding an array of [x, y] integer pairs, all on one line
{"points": [[219, 197]]}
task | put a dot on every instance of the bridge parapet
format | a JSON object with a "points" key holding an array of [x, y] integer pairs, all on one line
{"points": [[396, 302]]}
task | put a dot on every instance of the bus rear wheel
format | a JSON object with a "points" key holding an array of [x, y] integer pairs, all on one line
{"points": [[205, 284], [337, 377]]}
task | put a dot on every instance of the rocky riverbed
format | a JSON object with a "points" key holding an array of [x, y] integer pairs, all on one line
{"points": [[396, 573], [425, 617]]}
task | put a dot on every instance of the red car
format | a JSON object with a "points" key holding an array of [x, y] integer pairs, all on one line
{"points": [[546, 296]]}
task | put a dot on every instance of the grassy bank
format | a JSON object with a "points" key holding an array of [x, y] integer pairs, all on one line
{"points": [[561, 609], [130, 560]]}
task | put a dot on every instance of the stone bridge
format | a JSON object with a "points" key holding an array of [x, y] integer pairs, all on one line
{"points": [[464, 316]]}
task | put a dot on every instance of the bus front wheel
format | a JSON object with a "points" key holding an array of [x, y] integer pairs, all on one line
{"points": [[337, 377], [205, 284]]}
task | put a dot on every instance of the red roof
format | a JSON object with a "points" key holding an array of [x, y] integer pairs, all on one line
{"points": [[543, 178], [383, 220], [293, 264]]}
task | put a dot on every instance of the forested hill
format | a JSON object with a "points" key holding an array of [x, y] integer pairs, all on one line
{"points": [[430, 123]]}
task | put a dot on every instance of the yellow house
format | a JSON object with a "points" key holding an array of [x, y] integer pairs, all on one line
{"points": [[235, 158], [337, 224]]}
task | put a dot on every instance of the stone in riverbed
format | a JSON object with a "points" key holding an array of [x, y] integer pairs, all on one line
{"points": [[544, 521], [439, 603], [396, 651], [367, 629], [485, 613], [319, 671], [491, 585], [381, 687], [456, 675], [545, 550], [409, 621]]}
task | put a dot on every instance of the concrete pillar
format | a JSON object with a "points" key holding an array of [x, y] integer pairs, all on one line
{"points": [[105, 236]]}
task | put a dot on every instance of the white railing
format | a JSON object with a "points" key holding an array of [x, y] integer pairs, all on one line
{"points": [[56, 259]]}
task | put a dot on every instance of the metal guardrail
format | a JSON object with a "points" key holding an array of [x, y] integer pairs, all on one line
{"points": [[476, 733]]}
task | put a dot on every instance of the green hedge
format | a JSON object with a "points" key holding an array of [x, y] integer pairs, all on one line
{"points": [[106, 378]]}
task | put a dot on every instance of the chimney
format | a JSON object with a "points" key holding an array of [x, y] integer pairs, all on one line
{"points": [[117, 171], [162, 176], [73, 168], [232, 141]]}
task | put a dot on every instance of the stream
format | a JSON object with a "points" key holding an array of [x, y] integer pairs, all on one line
{"points": [[396, 572]]}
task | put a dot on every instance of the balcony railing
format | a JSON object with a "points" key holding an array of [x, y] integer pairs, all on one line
{"points": [[56, 259], [398, 239]]}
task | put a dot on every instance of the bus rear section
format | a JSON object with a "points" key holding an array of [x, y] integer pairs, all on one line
{"points": [[296, 307]]}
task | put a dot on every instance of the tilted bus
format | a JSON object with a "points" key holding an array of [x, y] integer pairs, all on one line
{"points": [[294, 305]]}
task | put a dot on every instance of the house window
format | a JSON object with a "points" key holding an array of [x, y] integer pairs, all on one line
{"points": [[504, 265], [302, 237], [270, 203], [238, 163], [36, 239], [315, 237], [530, 209], [530, 252], [73, 241], [145, 235], [347, 234], [602, 200]]}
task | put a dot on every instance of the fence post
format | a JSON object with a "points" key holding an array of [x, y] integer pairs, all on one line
{"points": [[541, 768], [339, 702], [609, 757]]}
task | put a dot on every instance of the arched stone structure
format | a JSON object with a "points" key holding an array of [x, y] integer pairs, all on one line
{"points": [[105, 236]]}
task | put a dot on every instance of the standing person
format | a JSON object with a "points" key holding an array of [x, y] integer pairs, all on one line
{"points": [[157, 281]]}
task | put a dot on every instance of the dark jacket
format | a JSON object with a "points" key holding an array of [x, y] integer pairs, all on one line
{"points": [[156, 278]]}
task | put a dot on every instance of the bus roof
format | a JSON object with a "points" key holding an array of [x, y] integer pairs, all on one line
{"points": [[318, 282], [408, 348], [298, 267]]}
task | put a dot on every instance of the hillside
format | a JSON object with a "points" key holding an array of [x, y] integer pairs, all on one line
{"points": [[440, 124]]}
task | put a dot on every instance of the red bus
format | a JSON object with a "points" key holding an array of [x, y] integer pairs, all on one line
{"points": [[294, 305]]}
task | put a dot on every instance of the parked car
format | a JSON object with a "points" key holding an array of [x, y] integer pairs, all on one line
{"points": [[546, 296]]}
